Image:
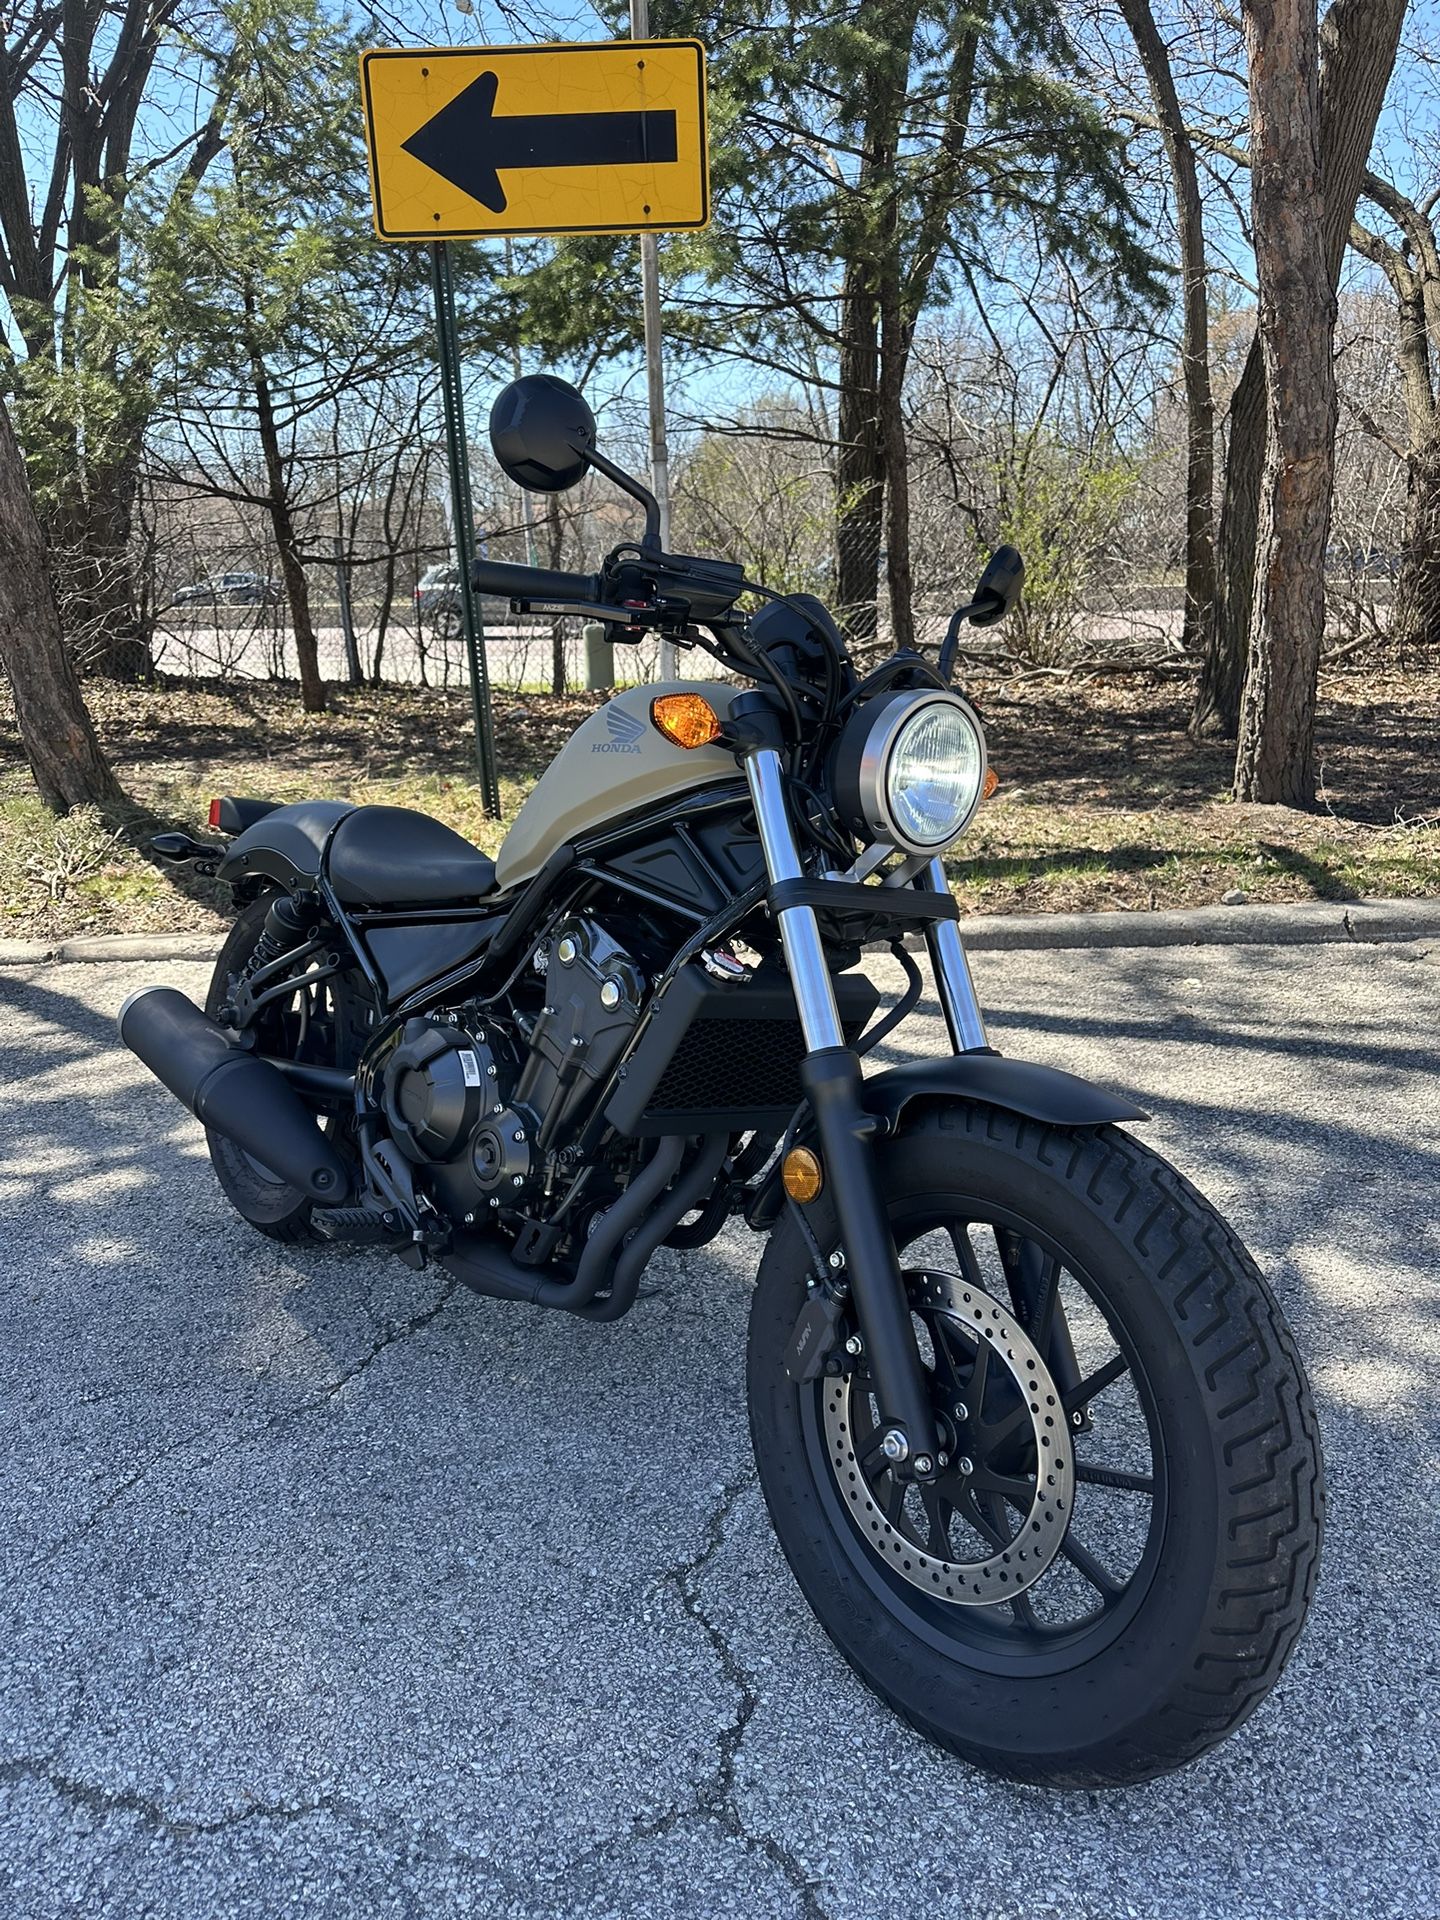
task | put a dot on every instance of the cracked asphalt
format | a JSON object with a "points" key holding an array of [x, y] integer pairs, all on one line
{"points": [[329, 1589]]}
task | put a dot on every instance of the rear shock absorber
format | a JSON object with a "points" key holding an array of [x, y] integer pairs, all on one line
{"points": [[287, 924]]}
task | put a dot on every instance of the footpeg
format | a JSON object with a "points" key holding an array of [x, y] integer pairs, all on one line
{"points": [[355, 1226]]}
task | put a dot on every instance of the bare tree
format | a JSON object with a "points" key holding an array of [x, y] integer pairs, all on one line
{"points": [[1358, 43], [1413, 270], [1201, 583], [1297, 333], [57, 733]]}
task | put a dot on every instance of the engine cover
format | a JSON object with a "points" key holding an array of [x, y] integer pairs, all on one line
{"points": [[438, 1085]]}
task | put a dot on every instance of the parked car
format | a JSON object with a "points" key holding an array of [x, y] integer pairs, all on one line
{"points": [[230, 590], [438, 592]]}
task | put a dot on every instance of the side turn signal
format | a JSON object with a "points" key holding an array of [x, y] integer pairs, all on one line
{"points": [[686, 718], [801, 1175]]}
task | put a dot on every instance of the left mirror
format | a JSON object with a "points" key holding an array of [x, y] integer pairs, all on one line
{"points": [[542, 432]]}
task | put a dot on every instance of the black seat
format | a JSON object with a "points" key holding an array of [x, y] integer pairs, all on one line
{"points": [[386, 856]]}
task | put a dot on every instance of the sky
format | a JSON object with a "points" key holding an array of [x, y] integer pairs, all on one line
{"points": [[1407, 142]]}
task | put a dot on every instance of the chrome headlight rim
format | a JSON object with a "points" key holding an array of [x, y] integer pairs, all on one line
{"points": [[866, 756]]}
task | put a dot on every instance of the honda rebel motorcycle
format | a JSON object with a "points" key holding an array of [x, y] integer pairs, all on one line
{"points": [[1033, 1434]]}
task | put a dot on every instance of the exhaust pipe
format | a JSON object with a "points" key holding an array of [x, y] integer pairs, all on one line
{"points": [[232, 1092]]}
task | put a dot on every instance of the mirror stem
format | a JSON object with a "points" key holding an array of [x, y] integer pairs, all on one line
{"points": [[631, 486]]}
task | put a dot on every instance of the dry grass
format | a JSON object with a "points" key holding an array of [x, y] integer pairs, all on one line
{"points": [[1105, 800]]}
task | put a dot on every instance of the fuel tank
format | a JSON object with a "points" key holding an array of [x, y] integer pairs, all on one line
{"points": [[615, 763]]}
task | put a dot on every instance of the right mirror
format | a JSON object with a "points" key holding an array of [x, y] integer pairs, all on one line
{"points": [[542, 432], [999, 587]]}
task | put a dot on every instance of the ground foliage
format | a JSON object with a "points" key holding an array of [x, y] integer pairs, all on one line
{"points": [[1105, 801]]}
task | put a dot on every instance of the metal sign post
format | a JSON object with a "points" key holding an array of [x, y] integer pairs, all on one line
{"points": [[453, 393], [474, 143], [655, 366]]}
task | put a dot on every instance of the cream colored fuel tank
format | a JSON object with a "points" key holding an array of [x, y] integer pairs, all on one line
{"points": [[615, 763]]}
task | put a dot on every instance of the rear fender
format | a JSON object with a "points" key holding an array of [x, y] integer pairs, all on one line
{"points": [[285, 846]]}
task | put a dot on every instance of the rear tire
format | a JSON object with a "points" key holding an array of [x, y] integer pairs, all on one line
{"points": [[272, 1206], [1172, 1662]]}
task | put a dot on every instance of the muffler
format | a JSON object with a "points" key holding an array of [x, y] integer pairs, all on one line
{"points": [[232, 1092]]}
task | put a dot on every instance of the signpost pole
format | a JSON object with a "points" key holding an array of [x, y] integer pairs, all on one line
{"points": [[452, 390], [655, 364]]}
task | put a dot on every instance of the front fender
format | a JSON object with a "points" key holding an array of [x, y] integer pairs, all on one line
{"points": [[1019, 1086]]}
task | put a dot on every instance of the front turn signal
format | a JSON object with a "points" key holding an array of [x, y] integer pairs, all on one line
{"points": [[686, 718], [802, 1175], [992, 781]]}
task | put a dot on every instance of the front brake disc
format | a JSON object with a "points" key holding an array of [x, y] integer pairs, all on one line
{"points": [[973, 1318]]}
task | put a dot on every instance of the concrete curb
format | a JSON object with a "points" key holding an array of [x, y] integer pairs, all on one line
{"points": [[1284, 923], [111, 947], [1306, 923]]}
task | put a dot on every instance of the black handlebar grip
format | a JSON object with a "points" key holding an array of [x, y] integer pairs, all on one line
{"points": [[532, 583]]}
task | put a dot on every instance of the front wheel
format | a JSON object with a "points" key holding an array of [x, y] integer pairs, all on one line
{"points": [[1116, 1556]]}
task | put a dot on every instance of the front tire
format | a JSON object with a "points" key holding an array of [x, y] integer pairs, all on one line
{"points": [[1184, 1576]]}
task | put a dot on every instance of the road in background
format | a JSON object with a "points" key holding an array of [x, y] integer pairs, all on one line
{"points": [[331, 1590]]}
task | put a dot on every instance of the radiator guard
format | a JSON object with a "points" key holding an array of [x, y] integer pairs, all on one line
{"points": [[724, 1056]]}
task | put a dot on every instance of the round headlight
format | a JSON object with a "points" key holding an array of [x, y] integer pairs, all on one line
{"points": [[910, 769]]}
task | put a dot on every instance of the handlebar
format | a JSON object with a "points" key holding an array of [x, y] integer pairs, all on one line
{"points": [[510, 582]]}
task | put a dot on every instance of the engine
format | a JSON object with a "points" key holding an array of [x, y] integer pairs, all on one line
{"points": [[488, 1104]]}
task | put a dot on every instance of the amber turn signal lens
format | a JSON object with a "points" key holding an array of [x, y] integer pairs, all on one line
{"points": [[801, 1174], [992, 781], [686, 718]]}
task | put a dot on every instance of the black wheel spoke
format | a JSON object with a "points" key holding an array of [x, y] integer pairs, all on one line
{"points": [[1095, 1384], [1033, 1278], [950, 1349], [1117, 1477], [1010, 1486], [938, 1540], [1085, 1564], [965, 1254], [893, 1500], [1025, 1614], [986, 1514], [979, 1379], [996, 1435]]}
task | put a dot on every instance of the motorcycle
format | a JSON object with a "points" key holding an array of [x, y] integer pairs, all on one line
{"points": [[1032, 1432]]}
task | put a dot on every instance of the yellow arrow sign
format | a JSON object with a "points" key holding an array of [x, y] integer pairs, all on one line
{"points": [[470, 142]]}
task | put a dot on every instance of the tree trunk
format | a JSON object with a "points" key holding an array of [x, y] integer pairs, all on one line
{"points": [[1222, 672], [297, 588], [894, 360], [1415, 617], [859, 460], [872, 356], [56, 731], [1296, 324], [1358, 41], [1201, 582]]}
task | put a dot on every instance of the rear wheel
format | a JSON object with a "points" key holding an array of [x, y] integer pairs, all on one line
{"points": [[1116, 1556], [326, 1024]]}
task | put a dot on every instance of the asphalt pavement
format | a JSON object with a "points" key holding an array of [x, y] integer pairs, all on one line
{"points": [[329, 1589]]}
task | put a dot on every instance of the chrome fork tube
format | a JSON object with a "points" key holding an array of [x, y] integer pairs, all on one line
{"points": [[958, 1000], [830, 1076], [799, 929]]}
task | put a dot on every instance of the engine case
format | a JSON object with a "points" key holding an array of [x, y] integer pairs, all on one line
{"points": [[594, 992]]}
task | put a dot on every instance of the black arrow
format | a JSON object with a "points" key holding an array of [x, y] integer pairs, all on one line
{"points": [[468, 145]]}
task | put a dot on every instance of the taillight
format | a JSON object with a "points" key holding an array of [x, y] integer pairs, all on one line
{"points": [[215, 813]]}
